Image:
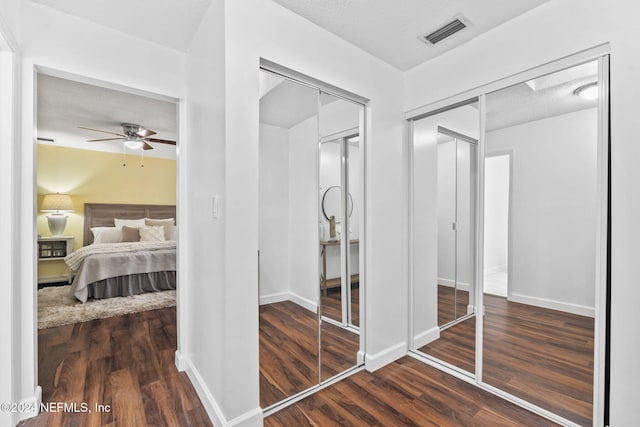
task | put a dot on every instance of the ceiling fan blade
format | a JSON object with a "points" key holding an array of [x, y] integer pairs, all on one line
{"points": [[146, 146], [161, 141], [105, 139], [143, 132], [103, 131]]}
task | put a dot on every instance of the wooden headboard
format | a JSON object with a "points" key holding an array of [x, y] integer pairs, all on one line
{"points": [[102, 215]]}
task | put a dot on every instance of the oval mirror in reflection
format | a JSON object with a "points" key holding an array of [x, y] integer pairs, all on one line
{"points": [[331, 203]]}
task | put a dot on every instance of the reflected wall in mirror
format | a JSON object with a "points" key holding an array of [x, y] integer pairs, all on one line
{"points": [[339, 179], [443, 235], [288, 236], [540, 241]]}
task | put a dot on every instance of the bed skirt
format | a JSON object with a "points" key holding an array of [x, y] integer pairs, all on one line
{"points": [[133, 284]]}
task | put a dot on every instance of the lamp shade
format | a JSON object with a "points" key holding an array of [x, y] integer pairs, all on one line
{"points": [[57, 203]]}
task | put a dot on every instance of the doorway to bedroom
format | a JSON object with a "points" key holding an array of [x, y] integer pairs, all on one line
{"points": [[106, 191]]}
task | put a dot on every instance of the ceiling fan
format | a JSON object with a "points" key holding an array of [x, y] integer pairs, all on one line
{"points": [[134, 136]]}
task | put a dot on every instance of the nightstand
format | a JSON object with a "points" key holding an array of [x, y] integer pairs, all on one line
{"points": [[51, 249]]}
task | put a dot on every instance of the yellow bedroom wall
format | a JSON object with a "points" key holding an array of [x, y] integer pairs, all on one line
{"points": [[98, 177]]}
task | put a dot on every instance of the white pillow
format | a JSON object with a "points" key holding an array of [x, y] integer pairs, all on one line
{"points": [[134, 223], [167, 223], [152, 233], [106, 234]]}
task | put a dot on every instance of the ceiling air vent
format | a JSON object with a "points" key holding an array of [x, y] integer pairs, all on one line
{"points": [[445, 31]]}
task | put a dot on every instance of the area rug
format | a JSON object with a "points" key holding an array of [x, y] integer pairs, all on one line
{"points": [[57, 308]]}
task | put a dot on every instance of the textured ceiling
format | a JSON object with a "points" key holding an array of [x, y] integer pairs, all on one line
{"points": [[540, 98], [171, 23], [63, 105], [388, 29]]}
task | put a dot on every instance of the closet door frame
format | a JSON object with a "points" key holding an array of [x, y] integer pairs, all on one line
{"points": [[320, 86], [602, 282]]}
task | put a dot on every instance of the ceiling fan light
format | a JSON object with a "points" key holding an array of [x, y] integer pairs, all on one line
{"points": [[588, 91], [133, 143]]}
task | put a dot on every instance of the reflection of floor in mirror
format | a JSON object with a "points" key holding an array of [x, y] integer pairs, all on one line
{"points": [[289, 350], [406, 392], [540, 355], [446, 304], [457, 345], [496, 283], [332, 304], [339, 350]]}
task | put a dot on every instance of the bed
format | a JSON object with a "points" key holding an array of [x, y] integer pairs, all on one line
{"points": [[110, 269]]}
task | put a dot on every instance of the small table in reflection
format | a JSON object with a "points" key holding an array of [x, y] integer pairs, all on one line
{"points": [[335, 282]]}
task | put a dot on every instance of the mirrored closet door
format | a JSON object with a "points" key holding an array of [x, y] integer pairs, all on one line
{"points": [[339, 220], [532, 244], [309, 233], [540, 240], [444, 200], [288, 235]]}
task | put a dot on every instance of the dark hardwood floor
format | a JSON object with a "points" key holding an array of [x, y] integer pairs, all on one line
{"points": [[332, 304], [289, 351], [126, 362], [540, 355], [404, 393], [456, 346], [543, 356], [451, 304]]}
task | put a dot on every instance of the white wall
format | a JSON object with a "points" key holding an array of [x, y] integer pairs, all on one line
{"points": [[274, 212], [498, 54], [55, 40], [496, 213], [254, 29], [553, 214], [203, 354], [303, 211], [9, 144], [9, 18]]}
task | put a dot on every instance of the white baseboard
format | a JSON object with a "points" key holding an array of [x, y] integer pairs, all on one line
{"points": [[384, 357], [554, 305], [424, 338], [203, 392], [180, 362], [495, 269], [253, 418], [449, 283], [289, 296], [273, 298], [33, 401], [471, 309], [360, 356], [303, 302], [248, 419]]}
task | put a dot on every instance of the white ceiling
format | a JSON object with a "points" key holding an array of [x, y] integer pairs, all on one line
{"points": [[546, 96], [388, 29], [63, 105], [171, 23], [284, 103]]}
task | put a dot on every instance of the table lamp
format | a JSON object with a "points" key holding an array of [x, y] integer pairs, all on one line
{"points": [[57, 204]]}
